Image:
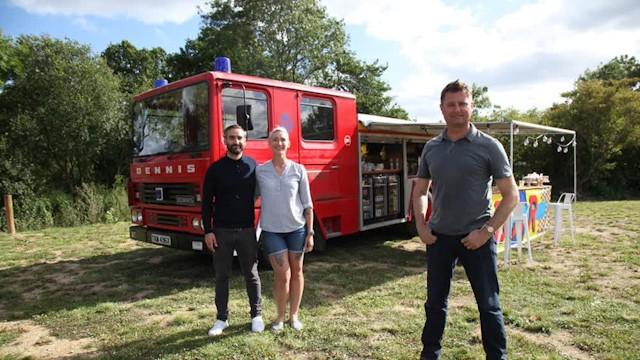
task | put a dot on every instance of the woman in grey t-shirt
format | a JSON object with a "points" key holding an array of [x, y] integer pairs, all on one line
{"points": [[286, 219]]}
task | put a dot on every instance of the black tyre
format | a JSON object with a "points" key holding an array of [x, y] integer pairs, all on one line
{"points": [[319, 242]]}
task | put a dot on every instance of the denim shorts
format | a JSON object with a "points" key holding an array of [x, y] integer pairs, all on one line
{"points": [[274, 243]]}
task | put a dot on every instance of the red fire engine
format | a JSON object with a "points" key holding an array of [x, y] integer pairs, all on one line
{"points": [[360, 166]]}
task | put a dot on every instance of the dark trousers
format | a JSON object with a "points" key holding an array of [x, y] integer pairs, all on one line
{"points": [[481, 268], [243, 241]]}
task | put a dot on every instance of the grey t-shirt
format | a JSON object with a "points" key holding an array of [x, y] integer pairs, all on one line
{"points": [[284, 197], [461, 174]]}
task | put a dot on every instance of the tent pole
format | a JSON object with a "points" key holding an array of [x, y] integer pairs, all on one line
{"points": [[511, 145], [575, 171]]}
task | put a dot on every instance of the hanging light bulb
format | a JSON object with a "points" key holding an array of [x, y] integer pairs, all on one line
{"points": [[562, 138], [559, 148], [516, 130], [566, 150], [544, 138], [535, 143], [526, 141], [549, 140]]}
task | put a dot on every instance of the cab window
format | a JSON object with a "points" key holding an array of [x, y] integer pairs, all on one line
{"points": [[316, 116], [247, 108]]}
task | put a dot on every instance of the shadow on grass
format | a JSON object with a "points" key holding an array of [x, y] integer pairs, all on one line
{"points": [[352, 264], [131, 276], [167, 344]]}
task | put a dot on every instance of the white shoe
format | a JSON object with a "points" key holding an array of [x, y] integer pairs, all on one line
{"points": [[296, 324], [279, 326], [217, 327], [257, 324]]}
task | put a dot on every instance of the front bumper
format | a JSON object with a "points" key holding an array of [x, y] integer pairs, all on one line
{"points": [[167, 238]]}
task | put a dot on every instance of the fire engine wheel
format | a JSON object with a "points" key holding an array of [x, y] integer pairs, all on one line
{"points": [[408, 229], [319, 242]]}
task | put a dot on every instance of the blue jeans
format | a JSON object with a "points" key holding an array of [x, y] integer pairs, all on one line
{"points": [[481, 268], [274, 243]]}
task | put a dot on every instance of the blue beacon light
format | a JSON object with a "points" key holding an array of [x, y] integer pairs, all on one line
{"points": [[160, 83], [222, 64]]}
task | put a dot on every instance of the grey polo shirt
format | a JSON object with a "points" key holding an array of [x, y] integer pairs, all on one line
{"points": [[284, 197], [461, 174]]}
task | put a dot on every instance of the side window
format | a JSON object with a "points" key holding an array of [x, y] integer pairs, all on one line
{"points": [[247, 108], [317, 119]]}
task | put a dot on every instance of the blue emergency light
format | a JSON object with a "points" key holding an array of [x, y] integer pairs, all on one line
{"points": [[222, 64], [160, 83]]}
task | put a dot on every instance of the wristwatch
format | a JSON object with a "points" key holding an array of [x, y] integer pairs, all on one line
{"points": [[489, 228], [311, 232]]}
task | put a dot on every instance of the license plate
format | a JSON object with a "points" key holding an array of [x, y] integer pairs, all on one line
{"points": [[196, 245], [161, 239]]}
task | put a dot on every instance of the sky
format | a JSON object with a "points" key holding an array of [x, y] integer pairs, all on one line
{"points": [[527, 52]]}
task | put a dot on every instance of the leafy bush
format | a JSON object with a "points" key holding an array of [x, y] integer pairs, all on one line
{"points": [[116, 202], [91, 204], [65, 210]]}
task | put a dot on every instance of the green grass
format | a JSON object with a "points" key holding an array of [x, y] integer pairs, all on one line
{"points": [[113, 298]]}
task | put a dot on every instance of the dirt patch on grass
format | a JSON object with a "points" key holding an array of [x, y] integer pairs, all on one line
{"points": [[560, 341], [410, 245], [304, 355], [607, 274], [160, 320], [36, 341], [462, 302]]}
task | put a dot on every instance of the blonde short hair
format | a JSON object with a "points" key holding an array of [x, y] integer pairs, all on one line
{"points": [[279, 129]]}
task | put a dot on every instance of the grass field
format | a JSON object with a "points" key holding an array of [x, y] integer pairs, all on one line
{"points": [[89, 292]]}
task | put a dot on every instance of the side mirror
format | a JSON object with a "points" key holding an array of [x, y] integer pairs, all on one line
{"points": [[243, 117]]}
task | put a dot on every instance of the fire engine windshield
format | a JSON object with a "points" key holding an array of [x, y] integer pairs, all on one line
{"points": [[173, 122]]}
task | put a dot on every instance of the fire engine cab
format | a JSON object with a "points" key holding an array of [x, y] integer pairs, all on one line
{"points": [[360, 166]]}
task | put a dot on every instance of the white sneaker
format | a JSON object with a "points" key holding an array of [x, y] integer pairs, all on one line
{"points": [[279, 326], [217, 327], [257, 324], [296, 324]]}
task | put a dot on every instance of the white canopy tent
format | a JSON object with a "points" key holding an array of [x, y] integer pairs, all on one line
{"points": [[512, 128]]}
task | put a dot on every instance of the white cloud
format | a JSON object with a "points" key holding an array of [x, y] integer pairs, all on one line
{"points": [[84, 24], [526, 57], [146, 11]]}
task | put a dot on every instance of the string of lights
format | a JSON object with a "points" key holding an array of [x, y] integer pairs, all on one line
{"points": [[562, 145]]}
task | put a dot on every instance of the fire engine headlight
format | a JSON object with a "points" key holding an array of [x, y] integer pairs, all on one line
{"points": [[136, 216], [195, 223]]}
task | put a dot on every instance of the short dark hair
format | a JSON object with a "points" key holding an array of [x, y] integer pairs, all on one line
{"points": [[233, 126], [454, 87]]}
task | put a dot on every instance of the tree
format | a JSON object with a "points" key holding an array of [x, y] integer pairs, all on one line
{"points": [[137, 68], [62, 111], [606, 117], [619, 68], [286, 40], [480, 99], [604, 108], [363, 80], [7, 62]]}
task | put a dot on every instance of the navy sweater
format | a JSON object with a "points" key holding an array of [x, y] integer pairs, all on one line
{"points": [[229, 194]]}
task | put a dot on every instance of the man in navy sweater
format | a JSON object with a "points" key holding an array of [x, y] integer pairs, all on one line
{"points": [[228, 218]]}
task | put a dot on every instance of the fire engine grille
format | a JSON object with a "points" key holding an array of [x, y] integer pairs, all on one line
{"points": [[167, 219], [169, 194]]}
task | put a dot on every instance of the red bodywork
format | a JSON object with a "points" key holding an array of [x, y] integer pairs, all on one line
{"points": [[332, 165]]}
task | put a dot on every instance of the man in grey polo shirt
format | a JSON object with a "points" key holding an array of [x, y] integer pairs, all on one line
{"points": [[459, 166]]}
